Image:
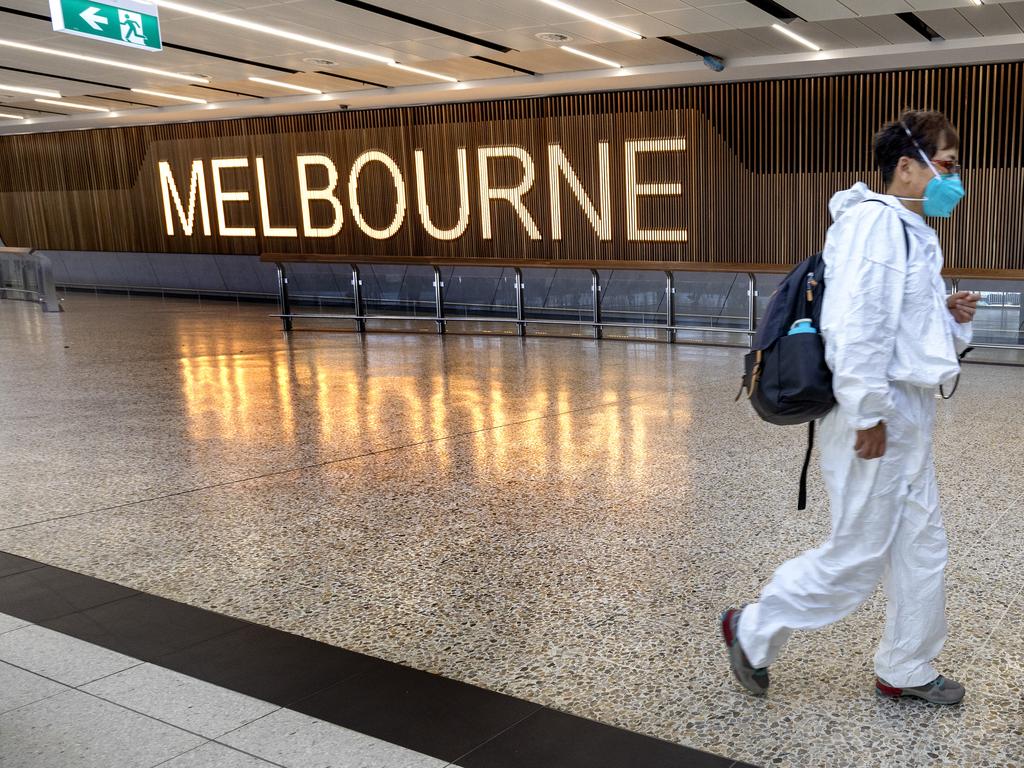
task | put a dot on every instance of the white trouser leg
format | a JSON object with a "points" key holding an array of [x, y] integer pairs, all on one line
{"points": [[915, 627], [868, 499]]}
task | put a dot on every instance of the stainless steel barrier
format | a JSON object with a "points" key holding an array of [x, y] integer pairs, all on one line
{"points": [[27, 275], [998, 326], [597, 323]]}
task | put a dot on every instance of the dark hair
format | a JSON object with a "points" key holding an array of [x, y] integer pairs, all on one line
{"points": [[932, 131]]}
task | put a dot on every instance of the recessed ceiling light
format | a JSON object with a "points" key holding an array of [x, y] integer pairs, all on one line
{"points": [[98, 60], [594, 18], [5, 116], [279, 84], [73, 105], [802, 40], [30, 91], [553, 37], [424, 72], [592, 57], [163, 95]]}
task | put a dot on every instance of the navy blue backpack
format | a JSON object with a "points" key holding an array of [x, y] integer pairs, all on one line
{"points": [[785, 374]]}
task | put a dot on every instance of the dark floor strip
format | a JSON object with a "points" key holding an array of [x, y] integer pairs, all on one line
{"points": [[443, 718]]}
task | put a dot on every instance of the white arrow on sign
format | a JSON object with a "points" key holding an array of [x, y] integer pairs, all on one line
{"points": [[94, 18]]}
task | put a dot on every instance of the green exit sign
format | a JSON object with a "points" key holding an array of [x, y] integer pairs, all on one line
{"points": [[125, 22]]}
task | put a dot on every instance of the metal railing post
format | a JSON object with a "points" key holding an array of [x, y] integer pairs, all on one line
{"points": [[595, 286], [283, 299], [439, 300], [357, 297], [520, 303], [751, 304], [48, 298], [670, 306]]}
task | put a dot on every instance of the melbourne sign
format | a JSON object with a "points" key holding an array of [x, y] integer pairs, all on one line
{"points": [[445, 194]]}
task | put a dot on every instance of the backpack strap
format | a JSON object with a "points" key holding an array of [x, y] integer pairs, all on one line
{"points": [[906, 234], [802, 502]]}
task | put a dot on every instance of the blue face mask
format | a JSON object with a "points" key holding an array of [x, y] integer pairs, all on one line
{"points": [[942, 195]]}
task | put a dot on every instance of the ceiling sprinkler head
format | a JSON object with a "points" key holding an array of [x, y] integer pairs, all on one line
{"points": [[714, 63], [553, 37]]}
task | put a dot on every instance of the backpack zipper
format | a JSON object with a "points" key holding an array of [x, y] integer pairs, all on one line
{"points": [[811, 285]]}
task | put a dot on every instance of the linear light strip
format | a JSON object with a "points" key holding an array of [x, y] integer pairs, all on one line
{"points": [[73, 105], [594, 18], [98, 60], [290, 86], [316, 42], [163, 95], [30, 91], [425, 72], [592, 57], [254, 26], [6, 116], [795, 36]]}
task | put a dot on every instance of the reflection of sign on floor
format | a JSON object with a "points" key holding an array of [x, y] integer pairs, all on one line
{"points": [[125, 22]]}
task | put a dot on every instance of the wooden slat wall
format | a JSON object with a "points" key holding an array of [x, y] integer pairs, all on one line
{"points": [[761, 162]]}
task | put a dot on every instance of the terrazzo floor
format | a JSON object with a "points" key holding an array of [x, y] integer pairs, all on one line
{"points": [[556, 519]]}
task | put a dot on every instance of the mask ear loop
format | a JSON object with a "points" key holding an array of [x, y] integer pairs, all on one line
{"points": [[924, 157], [921, 152]]}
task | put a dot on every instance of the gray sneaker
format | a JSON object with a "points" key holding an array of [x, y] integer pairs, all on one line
{"points": [[753, 679], [938, 691]]}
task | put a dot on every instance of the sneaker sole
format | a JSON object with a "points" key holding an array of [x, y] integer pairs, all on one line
{"points": [[736, 657], [895, 694]]}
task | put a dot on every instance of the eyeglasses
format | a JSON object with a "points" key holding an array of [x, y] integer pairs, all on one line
{"points": [[948, 166]]}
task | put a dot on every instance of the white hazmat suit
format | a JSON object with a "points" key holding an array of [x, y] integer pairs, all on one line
{"points": [[890, 341]]}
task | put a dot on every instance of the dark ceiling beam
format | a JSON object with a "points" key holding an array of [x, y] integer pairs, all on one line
{"points": [[777, 10], [227, 90], [396, 16], [352, 79], [503, 64], [918, 24], [691, 48]]}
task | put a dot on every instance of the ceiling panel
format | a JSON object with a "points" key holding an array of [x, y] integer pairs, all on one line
{"points": [[1016, 12], [892, 29], [655, 6], [819, 34], [817, 10], [729, 28], [877, 7], [546, 60], [991, 20], [693, 21], [741, 15], [933, 5], [854, 31], [949, 23], [650, 51]]}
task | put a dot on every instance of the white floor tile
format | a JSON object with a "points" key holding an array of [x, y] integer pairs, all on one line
{"points": [[10, 623], [215, 756], [298, 741], [194, 705], [76, 730], [59, 657], [18, 688]]}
